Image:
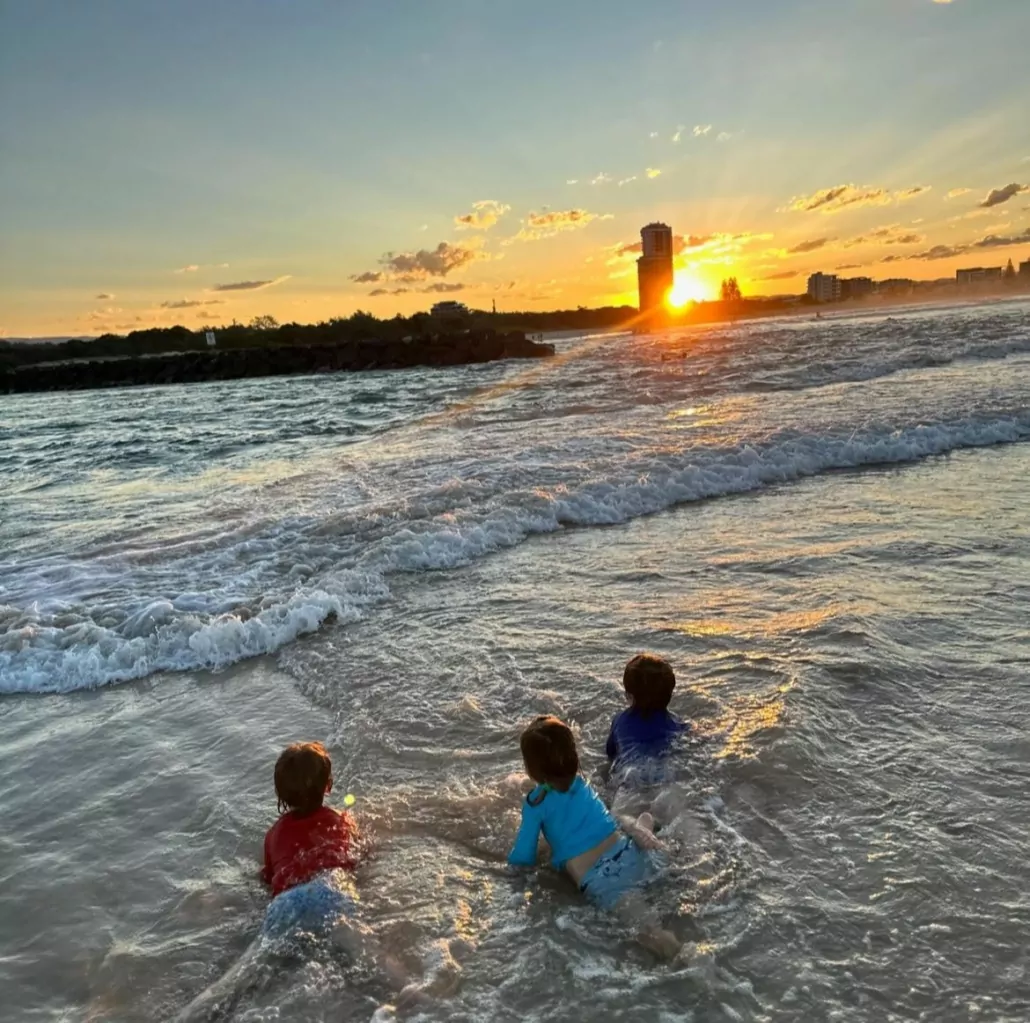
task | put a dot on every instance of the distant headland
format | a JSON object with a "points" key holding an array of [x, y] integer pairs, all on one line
{"points": [[451, 334], [175, 355]]}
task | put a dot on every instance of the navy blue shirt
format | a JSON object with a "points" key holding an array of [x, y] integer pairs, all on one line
{"points": [[636, 736]]}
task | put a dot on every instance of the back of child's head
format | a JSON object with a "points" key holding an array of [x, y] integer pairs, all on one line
{"points": [[303, 774], [549, 752], [649, 681]]}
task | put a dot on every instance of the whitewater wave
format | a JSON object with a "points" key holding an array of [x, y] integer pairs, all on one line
{"points": [[291, 581]]}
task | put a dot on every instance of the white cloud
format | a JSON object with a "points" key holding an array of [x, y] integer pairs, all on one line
{"points": [[192, 268], [701, 129], [601, 179], [626, 181]]}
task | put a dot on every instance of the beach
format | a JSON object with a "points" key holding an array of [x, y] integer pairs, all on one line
{"points": [[822, 525]]}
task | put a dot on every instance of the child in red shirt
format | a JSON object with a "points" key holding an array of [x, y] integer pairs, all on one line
{"points": [[309, 837], [310, 852]]}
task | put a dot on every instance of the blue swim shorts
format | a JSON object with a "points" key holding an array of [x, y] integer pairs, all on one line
{"points": [[623, 867], [315, 907]]}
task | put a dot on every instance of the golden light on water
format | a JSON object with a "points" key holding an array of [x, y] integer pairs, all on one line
{"points": [[748, 718]]}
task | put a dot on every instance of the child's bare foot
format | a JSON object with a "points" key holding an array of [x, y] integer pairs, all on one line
{"points": [[443, 974], [663, 943], [640, 830]]}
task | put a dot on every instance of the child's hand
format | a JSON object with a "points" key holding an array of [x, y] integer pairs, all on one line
{"points": [[646, 840]]}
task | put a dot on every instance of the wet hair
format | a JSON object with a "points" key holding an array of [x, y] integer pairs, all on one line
{"points": [[649, 681], [549, 752], [303, 772]]}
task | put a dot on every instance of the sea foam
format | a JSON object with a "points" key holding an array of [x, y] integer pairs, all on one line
{"points": [[288, 582]]}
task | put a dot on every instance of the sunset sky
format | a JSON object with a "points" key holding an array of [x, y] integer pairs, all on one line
{"points": [[194, 162]]}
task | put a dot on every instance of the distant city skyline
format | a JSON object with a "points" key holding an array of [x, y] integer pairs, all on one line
{"points": [[197, 162]]}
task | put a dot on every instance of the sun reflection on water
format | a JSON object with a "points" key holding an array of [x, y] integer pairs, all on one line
{"points": [[749, 717]]}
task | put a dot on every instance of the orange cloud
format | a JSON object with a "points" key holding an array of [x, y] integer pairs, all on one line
{"points": [[413, 267], [191, 303], [996, 196], [484, 215], [891, 234], [552, 222], [990, 241], [910, 193], [833, 200], [808, 246], [250, 285]]}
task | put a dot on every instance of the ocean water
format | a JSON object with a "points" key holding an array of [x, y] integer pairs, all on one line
{"points": [[822, 524]]}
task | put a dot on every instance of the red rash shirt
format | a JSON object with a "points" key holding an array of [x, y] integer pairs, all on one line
{"points": [[299, 847]]}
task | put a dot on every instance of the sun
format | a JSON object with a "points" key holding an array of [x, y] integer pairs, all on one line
{"points": [[685, 289]]}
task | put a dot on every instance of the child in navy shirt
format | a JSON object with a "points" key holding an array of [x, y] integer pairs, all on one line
{"points": [[645, 730]]}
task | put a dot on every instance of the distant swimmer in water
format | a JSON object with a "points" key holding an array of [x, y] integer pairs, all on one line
{"points": [[609, 861], [645, 733]]}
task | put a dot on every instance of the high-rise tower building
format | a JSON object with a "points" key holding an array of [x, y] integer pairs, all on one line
{"points": [[654, 267]]}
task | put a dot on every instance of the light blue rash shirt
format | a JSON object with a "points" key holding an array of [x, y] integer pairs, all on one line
{"points": [[572, 822]]}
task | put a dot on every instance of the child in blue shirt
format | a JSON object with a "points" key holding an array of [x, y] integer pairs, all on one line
{"points": [[645, 730], [606, 859]]}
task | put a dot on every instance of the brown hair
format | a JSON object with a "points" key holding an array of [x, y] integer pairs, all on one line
{"points": [[649, 680], [549, 752], [303, 772]]}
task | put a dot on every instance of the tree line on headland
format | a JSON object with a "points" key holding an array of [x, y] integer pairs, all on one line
{"points": [[266, 332], [261, 348], [421, 328]]}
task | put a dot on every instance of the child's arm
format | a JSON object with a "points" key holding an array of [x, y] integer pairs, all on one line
{"points": [[611, 748], [266, 866], [523, 853]]}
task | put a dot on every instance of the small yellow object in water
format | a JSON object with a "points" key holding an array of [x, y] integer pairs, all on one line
{"points": [[348, 800]]}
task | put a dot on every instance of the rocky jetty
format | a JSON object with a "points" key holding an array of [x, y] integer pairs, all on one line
{"points": [[84, 372]]}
